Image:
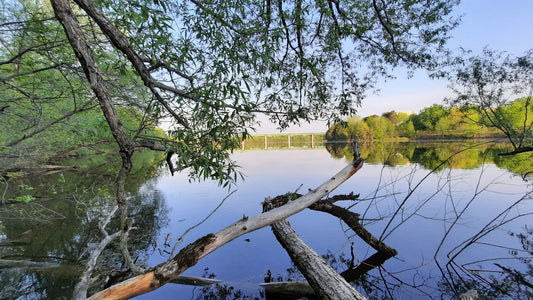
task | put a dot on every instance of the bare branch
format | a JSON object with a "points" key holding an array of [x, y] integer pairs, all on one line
{"points": [[326, 282], [189, 256], [80, 290]]}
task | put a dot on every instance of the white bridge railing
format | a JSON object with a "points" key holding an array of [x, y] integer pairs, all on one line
{"points": [[284, 140]]}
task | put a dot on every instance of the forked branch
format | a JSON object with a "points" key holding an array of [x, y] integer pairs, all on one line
{"points": [[189, 256]]}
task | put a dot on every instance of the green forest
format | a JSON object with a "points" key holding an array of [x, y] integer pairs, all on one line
{"points": [[437, 122]]}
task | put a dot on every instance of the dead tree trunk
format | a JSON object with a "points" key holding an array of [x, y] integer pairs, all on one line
{"points": [[326, 282], [189, 256], [384, 252]]}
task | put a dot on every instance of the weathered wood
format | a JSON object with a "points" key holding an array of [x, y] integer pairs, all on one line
{"points": [[247, 225], [187, 257], [352, 220], [80, 290], [169, 270], [324, 280], [303, 289], [384, 252]]}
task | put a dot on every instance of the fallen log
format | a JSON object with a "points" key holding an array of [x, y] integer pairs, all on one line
{"points": [[303, 288], [325, 281], [188, 256]]}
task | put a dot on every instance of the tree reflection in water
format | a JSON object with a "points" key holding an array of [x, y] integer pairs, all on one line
{"points": [[506, 283], [63, 222], [457, 155], [496, 276], [462, 264], [457, 222]]}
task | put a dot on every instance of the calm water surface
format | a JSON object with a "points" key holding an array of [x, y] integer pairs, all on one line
{"points": [[466, 220], [445, 211]]}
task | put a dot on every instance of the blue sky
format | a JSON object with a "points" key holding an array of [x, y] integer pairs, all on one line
{"points": [[503, 25]]}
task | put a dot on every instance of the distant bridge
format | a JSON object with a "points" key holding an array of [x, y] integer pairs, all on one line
{"points": [[284, 140]]}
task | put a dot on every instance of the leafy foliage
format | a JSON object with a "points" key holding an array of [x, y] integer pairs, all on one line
{"points": [[489, 83], [208, 67], [436, 121], [47, 109]]}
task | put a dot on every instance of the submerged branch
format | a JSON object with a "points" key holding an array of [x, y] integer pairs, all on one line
{"points": [[189, 256], [80, 290], [324, 280], [384, 252]]}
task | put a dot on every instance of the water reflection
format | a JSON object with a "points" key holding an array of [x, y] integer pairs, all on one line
{"points": [[509, 283], [458, 229], [456, 155], [58, 226], [452, 230]]}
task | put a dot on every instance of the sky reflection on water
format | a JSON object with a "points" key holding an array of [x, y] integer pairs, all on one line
{"points": [[423, 222]]}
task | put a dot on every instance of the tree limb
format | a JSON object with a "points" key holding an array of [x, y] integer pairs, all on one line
{"points": [[85, 55], [518, 150], [189, 256], [80, 290], [120, 41], [326, 282], [384, 252]]}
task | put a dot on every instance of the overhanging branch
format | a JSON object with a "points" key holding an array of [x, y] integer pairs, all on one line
{"points": [[120, 41]]}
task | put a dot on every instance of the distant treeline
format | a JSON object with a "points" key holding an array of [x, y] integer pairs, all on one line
{"points": [[436, 121]]}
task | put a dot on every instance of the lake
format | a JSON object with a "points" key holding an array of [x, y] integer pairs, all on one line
{"points": [[463, 225]]}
